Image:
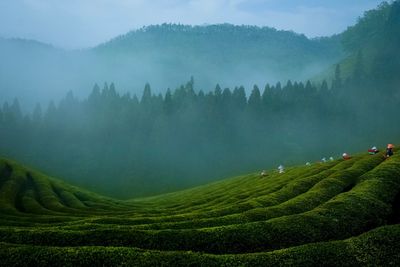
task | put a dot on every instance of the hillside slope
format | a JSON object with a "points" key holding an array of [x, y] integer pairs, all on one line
{"points": [[165, 56], [227, 54], [374, 40], [343, 212]]}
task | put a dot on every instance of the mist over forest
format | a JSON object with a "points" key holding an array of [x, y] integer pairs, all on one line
{"points": [[165, 56], [257, 98]]}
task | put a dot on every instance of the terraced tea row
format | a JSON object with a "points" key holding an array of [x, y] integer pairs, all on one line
{"points": [[271, 216], [379, 247]]}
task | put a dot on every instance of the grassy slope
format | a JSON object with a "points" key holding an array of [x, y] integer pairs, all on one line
{"points": [[340, 211]]}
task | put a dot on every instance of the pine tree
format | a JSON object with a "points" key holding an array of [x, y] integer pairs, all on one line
{"points": [[227, 100], [337, 81], [289, 86], [168, 104], [278, 86], [94, 97], [308, 87], [239, 98], [266, 95], [255, 98], [324, 87], [218, 93], [112, 91], [104, 92], [146, 96]]}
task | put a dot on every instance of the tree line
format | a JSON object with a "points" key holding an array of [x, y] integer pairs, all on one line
{"points": [[123, 145]]}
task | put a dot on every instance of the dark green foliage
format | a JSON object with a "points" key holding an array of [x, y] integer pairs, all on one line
{"points": [[162, 142], [326, 214], [122, 146], [370, 28], [128, 147], [313, 217], [379, 247]]}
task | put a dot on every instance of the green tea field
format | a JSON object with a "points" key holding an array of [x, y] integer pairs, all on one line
{"points": [[326, 214]]}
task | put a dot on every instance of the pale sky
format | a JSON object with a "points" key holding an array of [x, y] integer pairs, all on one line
{"points": [[85, 23]]}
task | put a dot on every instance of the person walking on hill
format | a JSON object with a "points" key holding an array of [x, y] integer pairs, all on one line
{"points": [[389, 150], [374, 150], [346, 156], [281, 169]]}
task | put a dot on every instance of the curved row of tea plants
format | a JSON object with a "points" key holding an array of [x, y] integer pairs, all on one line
{"points": [[332, 209]]}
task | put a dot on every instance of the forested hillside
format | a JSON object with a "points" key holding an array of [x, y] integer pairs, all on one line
{"points": [[375, 38], [165, 56], [140, 144], [226, 54], [130, 147]]}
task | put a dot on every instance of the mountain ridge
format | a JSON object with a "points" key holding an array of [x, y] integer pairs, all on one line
{"points": [[165, 59]]}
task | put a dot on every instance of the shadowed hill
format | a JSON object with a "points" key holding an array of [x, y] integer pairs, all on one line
{"points": [[326, 213]]}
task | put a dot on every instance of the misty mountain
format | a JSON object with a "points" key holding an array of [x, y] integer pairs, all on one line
{"points": [[113, 142], [375, 40], [33, 71], [225, 54], [165, 56]]}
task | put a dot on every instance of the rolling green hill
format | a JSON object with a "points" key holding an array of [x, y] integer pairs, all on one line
{"points": [[339, 212]]}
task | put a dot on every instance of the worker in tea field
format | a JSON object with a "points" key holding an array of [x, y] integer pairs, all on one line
{"points": [[374, 150], [346, 156], [389, 150], [281, 169]]}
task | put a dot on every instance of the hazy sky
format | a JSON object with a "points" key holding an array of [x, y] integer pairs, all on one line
{"points": [[82, 23]]}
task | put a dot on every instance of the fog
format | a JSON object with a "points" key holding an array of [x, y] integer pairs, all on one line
{"points": [[164, 56], [172, 106], [124, 147]]}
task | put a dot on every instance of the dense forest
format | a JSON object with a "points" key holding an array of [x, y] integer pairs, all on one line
{"points": [[185, 137], [133, 145]]}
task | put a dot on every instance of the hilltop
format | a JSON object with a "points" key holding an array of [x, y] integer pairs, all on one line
{"points": [[165, 56], [227, 54], [339, 212]]}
